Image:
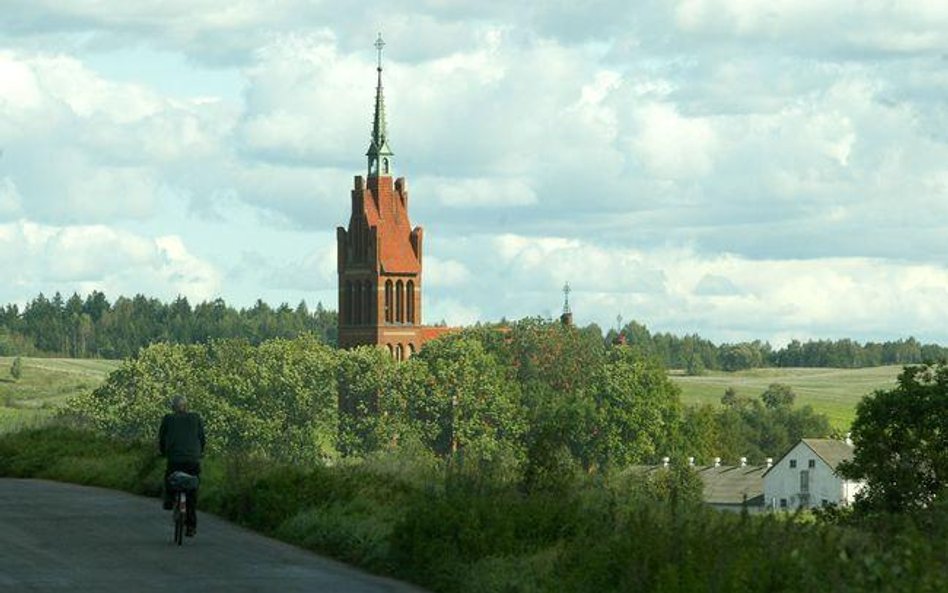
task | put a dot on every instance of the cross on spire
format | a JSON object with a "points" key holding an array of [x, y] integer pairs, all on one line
{"points": [[379, 44], [566, 291]]}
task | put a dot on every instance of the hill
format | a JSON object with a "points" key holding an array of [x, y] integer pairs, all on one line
{"points": [[45, 383], [834, 392]]}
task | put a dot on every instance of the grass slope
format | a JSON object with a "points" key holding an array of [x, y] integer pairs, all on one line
{"points": [[44, 384], [834, 392]]}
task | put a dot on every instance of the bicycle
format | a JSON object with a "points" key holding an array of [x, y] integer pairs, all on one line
{"points": [[180, 483]]}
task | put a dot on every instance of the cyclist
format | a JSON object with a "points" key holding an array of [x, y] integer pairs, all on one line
{"points": [[181, 441]]}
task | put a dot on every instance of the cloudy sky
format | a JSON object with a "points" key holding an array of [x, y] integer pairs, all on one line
{"points": [[735, 168]]}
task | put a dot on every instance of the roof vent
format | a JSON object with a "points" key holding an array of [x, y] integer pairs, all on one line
{"points": [[665, 461], [770, 462], [743, 461], [691, 462], [717, 462]]}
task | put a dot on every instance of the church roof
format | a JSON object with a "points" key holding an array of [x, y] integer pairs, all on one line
{"points": [[389, 216]]}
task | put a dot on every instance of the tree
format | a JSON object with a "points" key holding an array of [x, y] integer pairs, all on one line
{"points": [[16, 369], [638, 409], [738, 357], [475, 402], [778, 395], [365, 377], [901, 439]]}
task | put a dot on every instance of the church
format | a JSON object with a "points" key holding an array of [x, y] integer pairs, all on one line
{"points": [[380, 254]]}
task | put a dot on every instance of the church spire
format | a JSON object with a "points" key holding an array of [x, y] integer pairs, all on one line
{"points": [[379, 154], [567, 317]]}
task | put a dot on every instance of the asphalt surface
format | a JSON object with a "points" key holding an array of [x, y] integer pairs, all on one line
{"points": [[62, 537]]}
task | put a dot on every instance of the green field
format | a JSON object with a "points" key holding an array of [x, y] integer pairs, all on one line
{"points": [[44, 384], [834, 392]]}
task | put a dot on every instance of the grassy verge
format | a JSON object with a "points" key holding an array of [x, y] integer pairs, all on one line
{"points": [[834, 392], [452, 531]]}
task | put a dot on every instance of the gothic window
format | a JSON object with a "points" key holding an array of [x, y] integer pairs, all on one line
{"points": [[410, 301], [411, 350], [388, 301], [385, 166], [391, 351], [399, 352], [348, 302], [400, 302], [367, 294], [357, 303]]}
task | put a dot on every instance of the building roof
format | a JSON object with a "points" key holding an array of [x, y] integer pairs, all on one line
{"points": [[831, 451], [725, 484], [729, 484], [389, 215]]}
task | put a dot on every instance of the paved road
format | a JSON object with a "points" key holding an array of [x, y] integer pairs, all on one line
{"points": [[61, 537]]}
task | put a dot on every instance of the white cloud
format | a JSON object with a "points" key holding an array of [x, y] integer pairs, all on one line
{"points": [[10, 199], [672, 146], [479, 193], [725, 296], [882, 26], [82, 149], [444, 272], [41, 258]]}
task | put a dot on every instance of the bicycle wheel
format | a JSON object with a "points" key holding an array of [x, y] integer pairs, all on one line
{"points": [[178, 520]]}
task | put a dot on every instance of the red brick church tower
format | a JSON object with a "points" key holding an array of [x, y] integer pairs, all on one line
{"points": [[380, 255]]}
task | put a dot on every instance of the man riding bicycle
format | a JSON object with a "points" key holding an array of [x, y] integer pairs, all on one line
{"points": [[181, 441]]}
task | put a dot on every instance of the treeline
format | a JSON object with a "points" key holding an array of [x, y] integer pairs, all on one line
{"points": [[92, 327], [695, 354], [534, 399]]}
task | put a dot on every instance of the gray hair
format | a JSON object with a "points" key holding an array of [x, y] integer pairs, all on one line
{"points": [[179, 403]]}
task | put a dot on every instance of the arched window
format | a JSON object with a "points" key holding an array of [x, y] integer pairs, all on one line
{"points": [[368, 311], [399, 352], [347, 299], [388, 302], [385, 166], [399, 302], [411, 350], [391, 351], [357, 303], [410, 301]]}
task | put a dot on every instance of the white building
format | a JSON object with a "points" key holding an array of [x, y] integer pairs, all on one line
{"points": [[806, 476]]}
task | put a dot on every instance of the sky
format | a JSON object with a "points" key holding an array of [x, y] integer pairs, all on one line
{"points": [[732, 168]]}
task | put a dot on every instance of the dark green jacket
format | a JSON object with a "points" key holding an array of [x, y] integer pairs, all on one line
{"points": [[181, 437]]}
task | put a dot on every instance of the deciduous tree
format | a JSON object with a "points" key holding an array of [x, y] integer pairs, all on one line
{"points": [[901, 439]]}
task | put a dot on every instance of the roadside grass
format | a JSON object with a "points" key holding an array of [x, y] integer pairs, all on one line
{"points": [[834, 392], [45, 384]]}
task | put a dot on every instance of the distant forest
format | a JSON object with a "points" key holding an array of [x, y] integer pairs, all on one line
{"points": [[94, 327], [695, 354]]}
